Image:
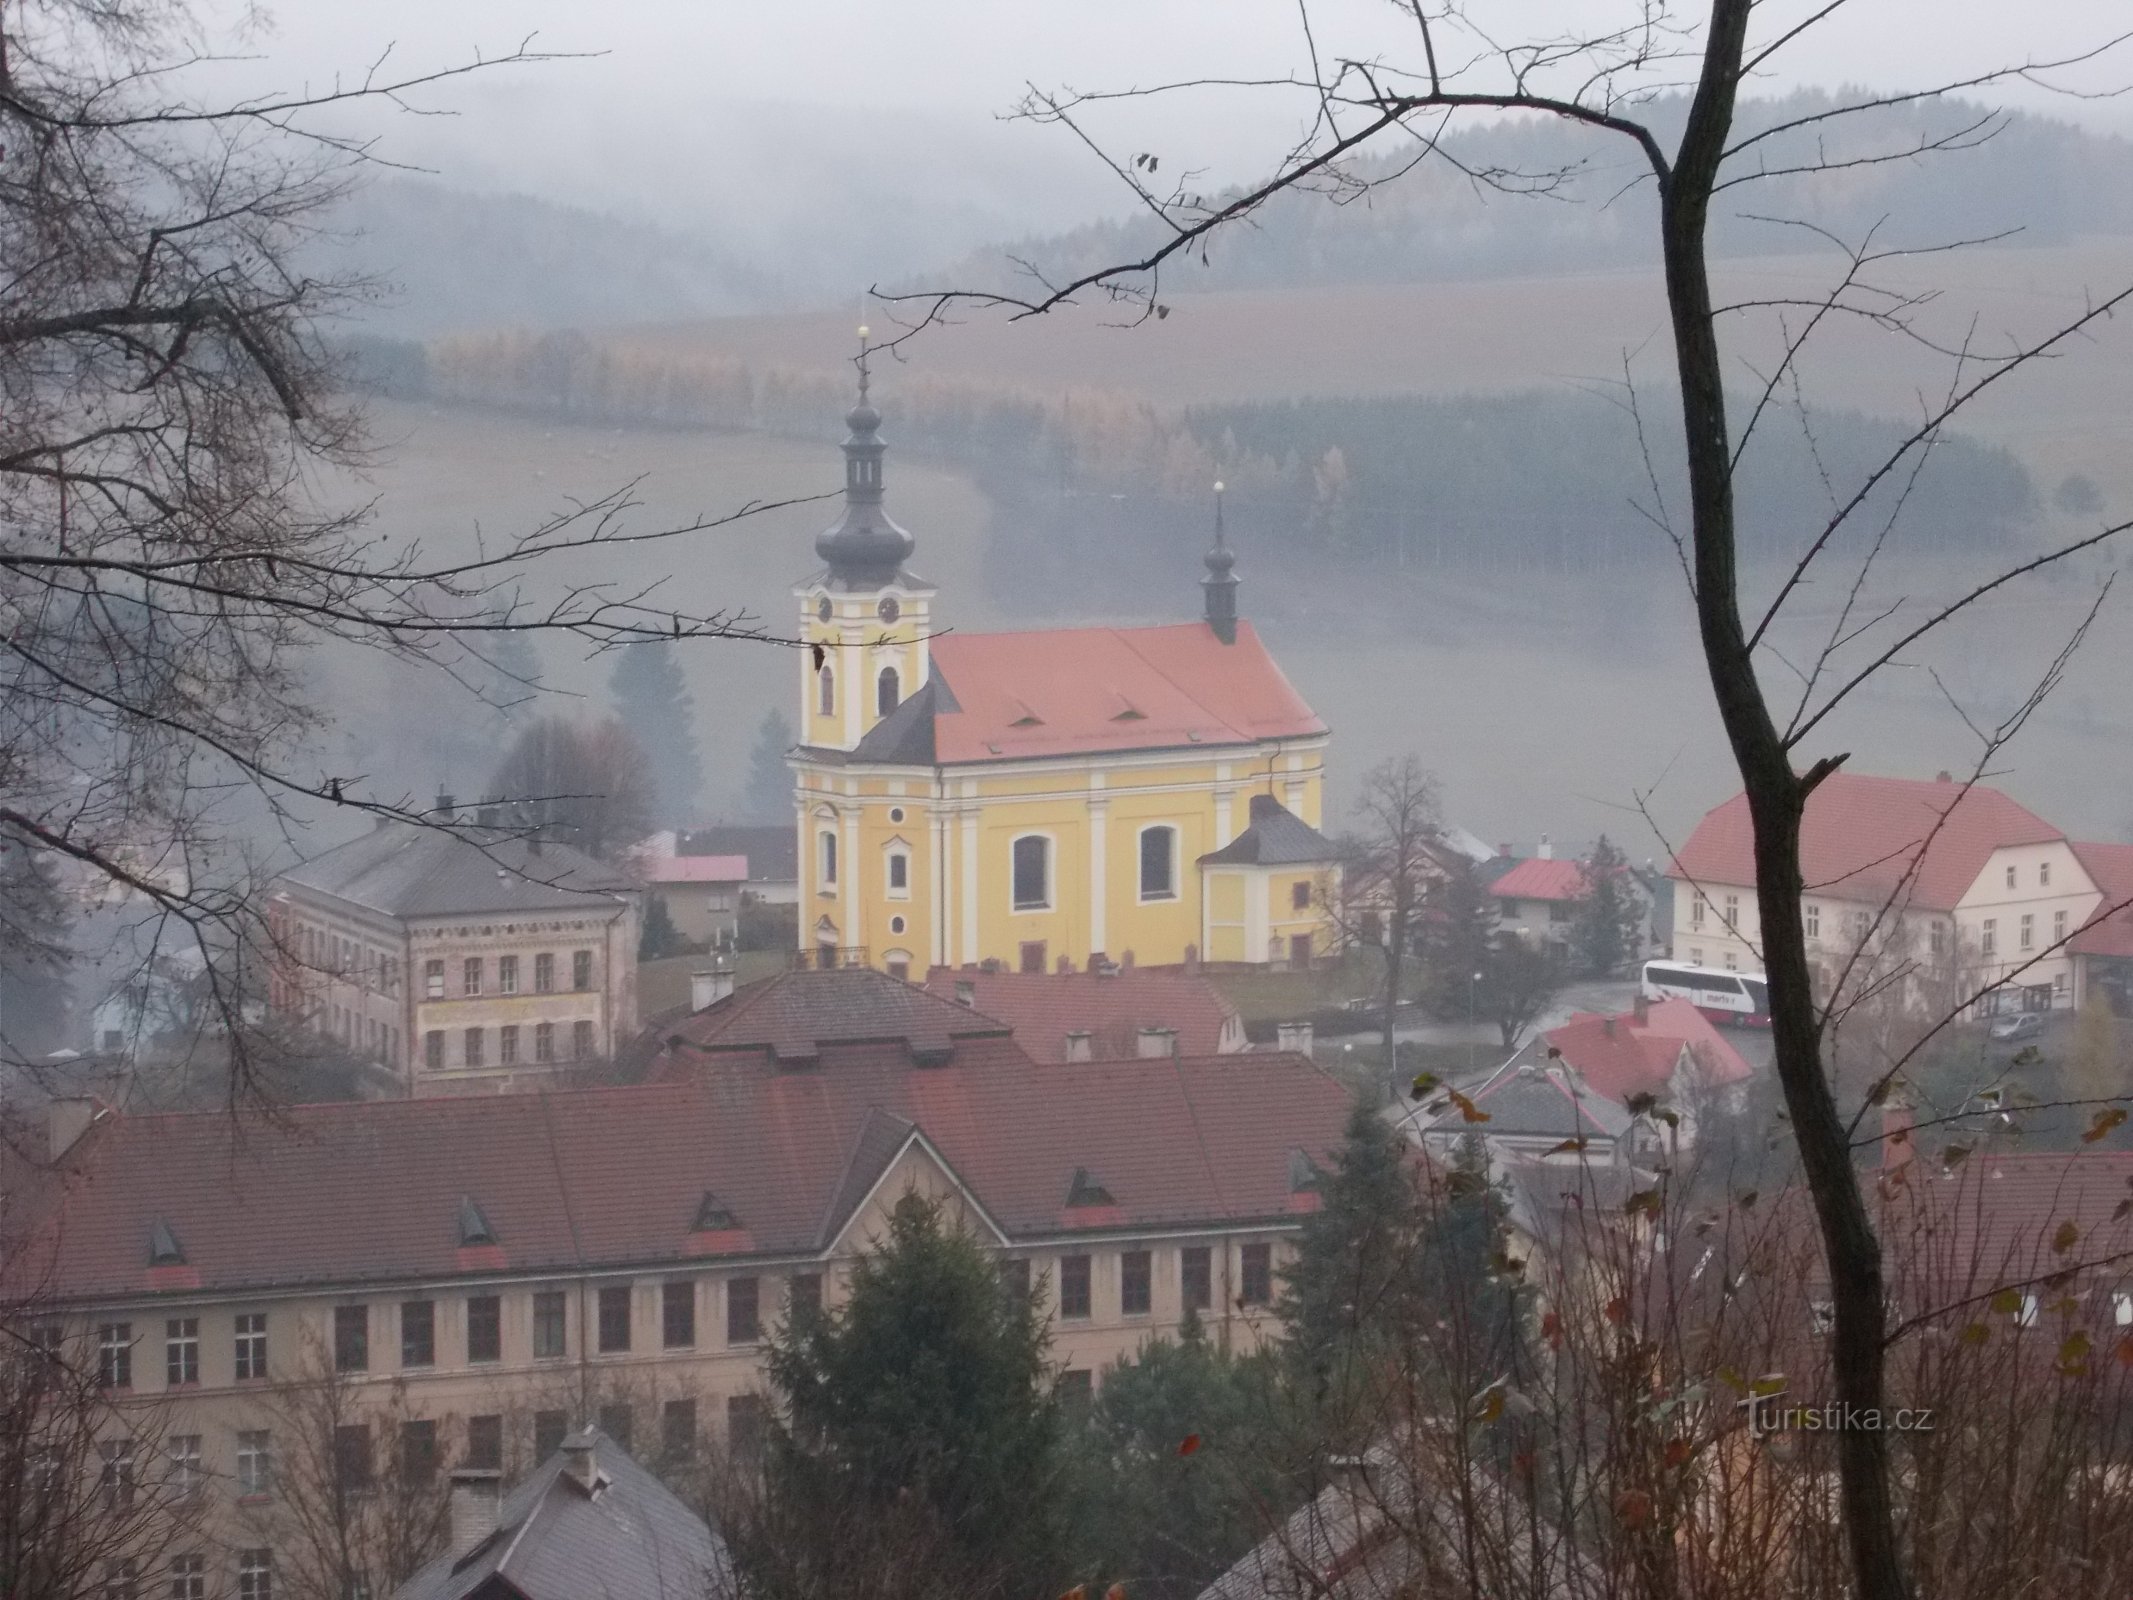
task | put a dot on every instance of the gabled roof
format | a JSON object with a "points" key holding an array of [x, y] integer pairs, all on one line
{"points": [[1275, 837], [1531, 1102], [693, 869], [1077, 691], [374, 1192], [1043, 1008], [403, 870], [1861, 835], [1620, 1056], [772, 850], [797, 1012], [2110, 930], [557, 1538], [1538, 879]]}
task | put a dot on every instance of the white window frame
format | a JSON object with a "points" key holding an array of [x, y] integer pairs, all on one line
{"points": [[255, 1463], [887, 671], [2026, 931], [1051, 874], [1140, 843], [891, 852], [826, 691], [2044, 874], [1812, 920], [825, 859]]}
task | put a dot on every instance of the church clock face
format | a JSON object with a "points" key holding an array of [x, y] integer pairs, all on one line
{"points": [[822, 609], [889, 609]]}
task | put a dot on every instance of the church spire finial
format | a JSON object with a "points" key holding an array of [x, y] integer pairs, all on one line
{"points": [[864, 350], [1220, 584], [865, 548]]}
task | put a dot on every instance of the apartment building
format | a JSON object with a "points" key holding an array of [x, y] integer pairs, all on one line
{"points": [[484, 1274], [1958, 880], [458, 959]]}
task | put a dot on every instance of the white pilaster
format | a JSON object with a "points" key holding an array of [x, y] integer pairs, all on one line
{"points": [[970, 876], [1098, 860]]}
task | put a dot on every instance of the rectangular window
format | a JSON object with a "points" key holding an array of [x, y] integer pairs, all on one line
{"points": [[1014, 1277], [181, 1351], [1300, 895], [550, 1331], [1255, 1277], [485, 1332], [804, 1292], [186, 1473], [617, 1422], [1988, 939], [2058, 927], [1732, 962], [2044, 874], [115, 1482], [1813, 921], [1696, 911], [507, 974], [677, 1430], [2027, 931], [744, 1426], [581, 970], [433, 1050], [473, 1047], [544, 973], [188, 1578], [255, 1470], [677, 1313], [507, 1045], [1134, 1289], [1940, 937], [544, 1041], [826, 855], [1032, 854], [433, 980], [255, 1575], [2010, 875], [1159, 855], [614, 1319], [581, 1041], [122, 1579], [1073, 1286], [1196, 1277], [485, 1442], [418, 1451], [251, 1345], [899, 872], [351, 1458], [744, 1322], [114, 1355], [470, 975], [418, 1333], [351, 1338], [1077, 1390], [549, 1428]]}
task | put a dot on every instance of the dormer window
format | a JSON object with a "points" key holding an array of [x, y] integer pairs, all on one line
{"points": [[474, 1229], [1085, 1190], [713, 1215]]}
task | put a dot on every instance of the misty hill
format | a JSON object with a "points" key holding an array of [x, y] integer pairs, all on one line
{"points": [[451, 258], [2047, 179]]}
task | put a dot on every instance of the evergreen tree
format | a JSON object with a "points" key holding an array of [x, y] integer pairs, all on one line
{"points": [[769, 794], [1607, 930], [660, 938], [34, 991], [917, 1444], [1459, 931], [1177, 1467], [652, 699]]}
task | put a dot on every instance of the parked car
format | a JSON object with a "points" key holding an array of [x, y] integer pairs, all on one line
{"points": [[2022, 1025]]}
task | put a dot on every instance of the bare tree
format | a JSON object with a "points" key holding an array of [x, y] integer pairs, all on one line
{"points": [[1387, 871], [168, 408], [590, 786], [1604, 80]]}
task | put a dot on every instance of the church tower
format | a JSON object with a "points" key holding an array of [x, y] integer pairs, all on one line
{"points": [[864, 620]]}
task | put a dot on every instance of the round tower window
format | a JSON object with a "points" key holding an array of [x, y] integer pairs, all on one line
{"points": [[896, 813], [896, 924], [889, 609], [822, 609]]}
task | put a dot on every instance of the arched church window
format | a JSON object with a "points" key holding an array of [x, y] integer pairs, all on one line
{"points": [[822, 609], [829, 857], [1159, 857], [1032, 872], [828, 690], [887, 689]]}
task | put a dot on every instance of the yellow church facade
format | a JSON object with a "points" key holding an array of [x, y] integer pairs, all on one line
{"points": [[1046, 800]]}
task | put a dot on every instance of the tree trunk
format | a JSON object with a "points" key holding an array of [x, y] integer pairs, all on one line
{"points": [[1777, 799]]}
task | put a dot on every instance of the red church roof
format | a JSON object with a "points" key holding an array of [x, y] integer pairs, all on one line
{"points": [[1862, 834], [1072, 691]]}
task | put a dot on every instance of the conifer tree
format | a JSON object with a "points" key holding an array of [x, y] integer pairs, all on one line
{"points": [[1459, 932], [653, 701], [1608, 927], [769, 794]]}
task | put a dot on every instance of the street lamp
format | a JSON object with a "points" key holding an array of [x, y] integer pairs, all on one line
{"points": [[1471, 1022]]}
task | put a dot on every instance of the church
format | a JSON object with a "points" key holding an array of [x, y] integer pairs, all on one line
{"points": [[1052, 800]]}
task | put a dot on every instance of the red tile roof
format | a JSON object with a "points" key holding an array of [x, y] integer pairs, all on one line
{"points": [[1619, 1056], [1862, 834], [1536, 879], [1044, 1008], [798, 1012], [692, 869], [1069, 691], [2110, 933], [371, 1192]]}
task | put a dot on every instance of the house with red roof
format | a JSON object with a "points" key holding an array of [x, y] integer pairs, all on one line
{"points": [[1954, 881], [1537, 897], [1091, 1016], [1049, 800]]}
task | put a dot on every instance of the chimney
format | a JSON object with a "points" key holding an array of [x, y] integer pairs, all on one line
{"points": [[1608, 1024], [1642, 1008], [966, 992], [1159, 1042], [1080, 1045], [477, 1497], [579, 1462], [1943, 777], [445, 806], [1546, 852], [709, 987], [68, 1119], [1293, 1036], [1896, 1135]]}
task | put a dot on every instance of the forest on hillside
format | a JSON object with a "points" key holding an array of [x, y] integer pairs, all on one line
{"points": [[1573, 200]]}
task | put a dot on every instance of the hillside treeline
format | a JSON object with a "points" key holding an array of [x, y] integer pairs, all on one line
{"points": [[1103, 488], [1589, 203]]}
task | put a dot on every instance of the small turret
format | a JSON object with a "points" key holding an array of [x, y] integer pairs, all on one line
{"points": [[1220, 584], [864, 549]]}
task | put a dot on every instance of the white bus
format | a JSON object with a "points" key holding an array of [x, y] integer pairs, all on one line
{"points": [[1732, 999]]}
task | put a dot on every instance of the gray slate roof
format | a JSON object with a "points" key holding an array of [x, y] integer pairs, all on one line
{"points": [[555, 1540], [1531, 1101], [1277, 837], [772, 849], [904, 737], [407, 871]]}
